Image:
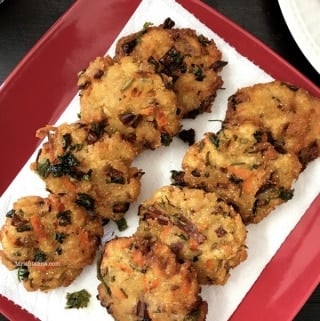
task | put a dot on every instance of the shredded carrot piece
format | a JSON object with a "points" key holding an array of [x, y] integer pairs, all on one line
{"points": [[38, 227], [270, 154], [249, 184], [138, 258], [84, 239], [239, 171], [162, 120], [68, 184], [165, 231], [159, 116], [209, 264], [125, 268], [155, 283], [151, 284], [193, 244], [148, 111]]}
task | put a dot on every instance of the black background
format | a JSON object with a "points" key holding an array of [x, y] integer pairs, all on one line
{"points": [[23, 22]]}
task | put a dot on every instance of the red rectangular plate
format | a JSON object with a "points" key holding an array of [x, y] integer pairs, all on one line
{"points": [[44, 82]]}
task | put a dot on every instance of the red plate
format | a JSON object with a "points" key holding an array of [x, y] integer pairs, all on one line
{"points": [[44, 82]]}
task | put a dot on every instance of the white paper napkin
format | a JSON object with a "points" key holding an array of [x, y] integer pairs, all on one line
{"points": [[263, 239]]}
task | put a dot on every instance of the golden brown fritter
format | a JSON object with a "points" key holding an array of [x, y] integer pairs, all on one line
{"points": [[290, 114], [241, 166], [199, 227], [192, 61], [142, 280], [49, 240], [133, 99], [81, 159]]}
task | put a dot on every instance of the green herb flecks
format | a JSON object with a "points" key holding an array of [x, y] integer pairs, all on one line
{"points": [[258, 135], [197, 70], [214, 140], [64, 218], [122, 224], [23, 228], [65, 165], [204, 40], [100, 276], [78, 300], [114, 176], [99, 127], [23, 273], [66, 140], [43, 168], [10, 213], [126, 84], [40, 256], [286, 194], [192, 316], [216, 120], [60, 237], [165, 139], [85, 201]]}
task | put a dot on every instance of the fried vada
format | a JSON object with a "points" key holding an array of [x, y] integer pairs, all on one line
{"points": [[49, 240], [143, 280], [199, 227], [83, 160]]}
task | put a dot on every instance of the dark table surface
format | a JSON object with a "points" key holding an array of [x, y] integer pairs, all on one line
{"points": [[23, 22]]}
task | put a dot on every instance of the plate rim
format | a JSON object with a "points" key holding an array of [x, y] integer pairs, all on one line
{"points": [[294, 22], [244, 43]]}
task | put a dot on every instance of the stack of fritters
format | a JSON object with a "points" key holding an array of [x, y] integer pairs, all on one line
{"points": [[191, 61], [270, 133], [166, 74], [49, 240], [129, 103], [186, 237]]}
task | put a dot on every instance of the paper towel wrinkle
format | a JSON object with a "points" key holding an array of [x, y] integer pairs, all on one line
{"points": [[263, 239]]}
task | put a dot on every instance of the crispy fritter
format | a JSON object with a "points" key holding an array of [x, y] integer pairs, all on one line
{"points": [[192, 61], [82, 159], [49, 240], [199, 227], [241, 166], [133, 99], [142, 280], [290, 114]]}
